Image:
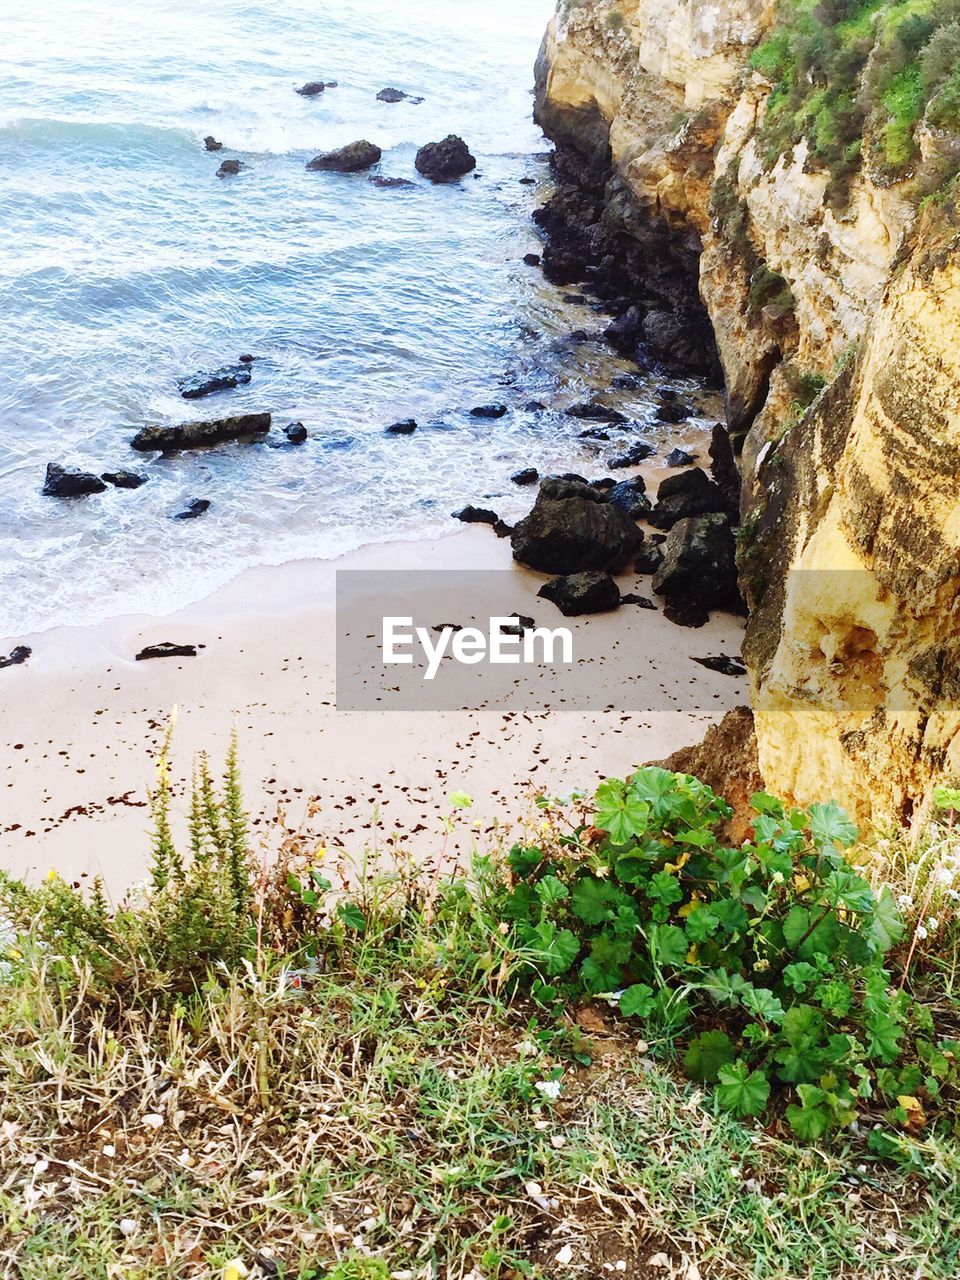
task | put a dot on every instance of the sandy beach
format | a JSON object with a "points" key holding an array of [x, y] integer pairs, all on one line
{"points": [[83, 720]]}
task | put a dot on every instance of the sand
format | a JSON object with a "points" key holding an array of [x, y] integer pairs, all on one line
{"points": [[82, 720]]}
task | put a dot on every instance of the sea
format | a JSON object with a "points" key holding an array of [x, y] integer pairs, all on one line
{"points": [[127, 264]]}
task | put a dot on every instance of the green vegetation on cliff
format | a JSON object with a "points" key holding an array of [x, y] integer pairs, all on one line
{"points": [[861, 81]]}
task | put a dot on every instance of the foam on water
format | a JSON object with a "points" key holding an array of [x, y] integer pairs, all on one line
{"points": [[125, 263]]}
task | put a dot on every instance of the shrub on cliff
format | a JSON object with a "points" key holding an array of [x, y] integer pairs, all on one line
{"points": [[764, 965]]}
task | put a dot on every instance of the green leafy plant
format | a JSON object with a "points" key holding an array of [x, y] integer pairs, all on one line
{"points": [[763, 964]]}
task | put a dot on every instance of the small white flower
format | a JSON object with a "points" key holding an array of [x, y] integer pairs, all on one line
{"points": [[904, 901], [549, 1088], [933, 924], [921, 932]]}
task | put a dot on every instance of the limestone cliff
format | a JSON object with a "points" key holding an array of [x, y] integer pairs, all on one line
{"points": [[836, 314]]}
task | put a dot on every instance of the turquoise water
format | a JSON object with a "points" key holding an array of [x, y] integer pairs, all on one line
{"points": [[125, 263]]}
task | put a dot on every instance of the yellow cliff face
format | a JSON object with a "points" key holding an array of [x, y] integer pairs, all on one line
{"points": [[852, 507]]}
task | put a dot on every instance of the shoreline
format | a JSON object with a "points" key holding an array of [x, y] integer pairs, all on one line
{"points": [[83, 720]]}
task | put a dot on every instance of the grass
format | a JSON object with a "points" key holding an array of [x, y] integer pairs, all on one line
{"points": [[400, 1120], [364, 1093]]}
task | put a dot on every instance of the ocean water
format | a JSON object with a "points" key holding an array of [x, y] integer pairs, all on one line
{"points": [[125, 263]]}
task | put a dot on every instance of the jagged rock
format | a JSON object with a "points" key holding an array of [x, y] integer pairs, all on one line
{"points": [[445, 161], [674, 411], [532, 259], [674, 338], [476, 515], [167, 649], [593, 433], [725, 472], [212, 144], [397, 95], [295, 432], [680, 458], [722, 664], [246, 358], [70, 482], [625, 332], [200, 435], [579, 593], [390, 184], [699, 570], [520, 624], [198, 385], [631, 456], [193, 509], [691, 493], [649, 559], [631, 496], [605, 483], [230, 168], [312, 89], [642, 602], [593, 411], [404, 428], [488, 411], [572, 528], [528, 475], [353, 158], [534, 406], [16, 657], [123, 479]]}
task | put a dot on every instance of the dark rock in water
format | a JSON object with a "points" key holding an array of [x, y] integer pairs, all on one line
{"points": [[404, 428], [16, 657], [198, 385], [579, 593], [699, 570], [528, 475], [650, 558], [627, 382], [534, 406], [592, 411], [476, 515], [642, 602], [167, 649], [624, 334], [200, 435], [502, 529], [722, 664], [212, 144], [630, 457], [352, 158], [488, 411], [390, 184], [397, 95], [680, 458], [230, 168], [674, 411], [630, 496], [605, 483], [527, 182], [194, 509], [312, 89], [295, 432], [246, 358], [446, 160], [594, 433], [532, 259], [725, 472], [691, 493], [573, 528], [70, 482], [577, 299], [123, 479]]}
